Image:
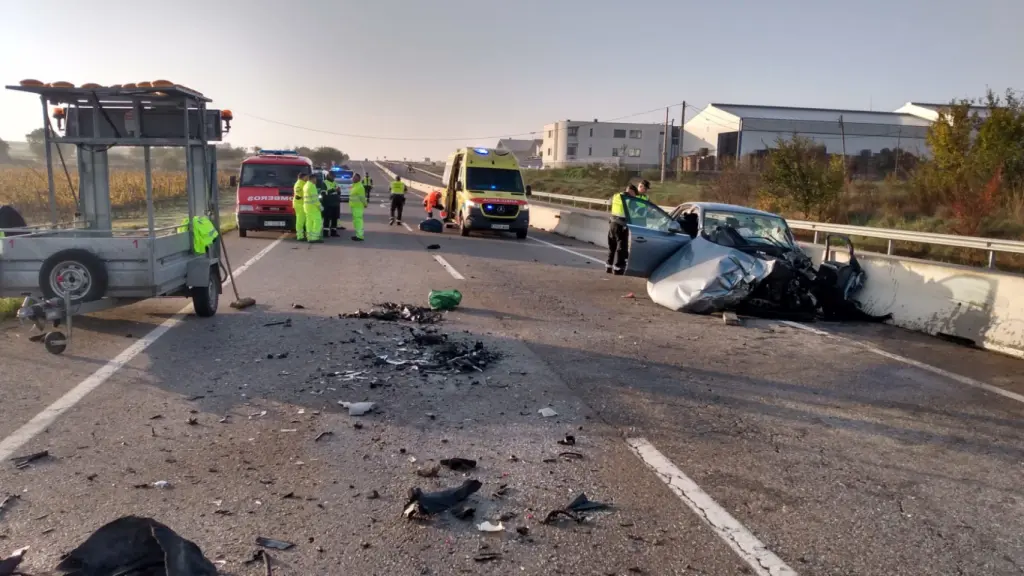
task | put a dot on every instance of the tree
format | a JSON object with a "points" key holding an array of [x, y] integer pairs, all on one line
{"points": [[326, 154], [799, 175], [36, 142], [5, 152]]}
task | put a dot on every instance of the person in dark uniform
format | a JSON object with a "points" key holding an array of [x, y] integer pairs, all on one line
{"points": [[330, 197], [618, 234]]}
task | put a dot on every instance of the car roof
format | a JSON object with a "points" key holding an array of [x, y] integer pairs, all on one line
{"points": [[730, 208]]}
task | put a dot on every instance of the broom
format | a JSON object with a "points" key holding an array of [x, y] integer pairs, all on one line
{"points": [[239, 302]]}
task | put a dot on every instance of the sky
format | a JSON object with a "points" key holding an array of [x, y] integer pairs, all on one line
{"points": [[420, 78]]}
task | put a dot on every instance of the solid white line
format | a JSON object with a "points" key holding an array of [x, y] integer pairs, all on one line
{"points": [[564, 249], [751, 550], [406, 226], [926, 367], [49, 415], [444, 264]]}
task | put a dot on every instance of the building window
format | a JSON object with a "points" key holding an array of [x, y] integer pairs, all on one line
{"points": [[591, 132], [570, 150], [590, 151], [573, 130], [550, 132], [636, 134], [619, 134], [549, 151], [634, 152], [615, 151]]}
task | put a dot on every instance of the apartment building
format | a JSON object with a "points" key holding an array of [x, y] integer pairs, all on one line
{"points": [[634, 146]]}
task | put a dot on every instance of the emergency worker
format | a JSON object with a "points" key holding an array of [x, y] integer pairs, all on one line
{"points": [[642, 189], [331, 199], [397, 199], [358, 202], [299, 206], [618, 234], [368, 184], [433, 200], [314, 217]]}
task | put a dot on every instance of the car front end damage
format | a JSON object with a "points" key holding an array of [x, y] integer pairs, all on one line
{"points": [[717, 272]]}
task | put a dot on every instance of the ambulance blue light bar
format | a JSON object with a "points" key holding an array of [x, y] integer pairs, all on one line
{"points": [[482, 151], [279, 152]]}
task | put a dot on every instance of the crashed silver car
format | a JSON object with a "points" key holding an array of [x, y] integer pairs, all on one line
{"points": [[706, 257]]}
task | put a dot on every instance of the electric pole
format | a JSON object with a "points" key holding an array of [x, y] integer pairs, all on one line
{"points": [[664, 147]]}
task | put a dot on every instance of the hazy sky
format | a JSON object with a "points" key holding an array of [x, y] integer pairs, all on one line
{"points": [[461, 72]]}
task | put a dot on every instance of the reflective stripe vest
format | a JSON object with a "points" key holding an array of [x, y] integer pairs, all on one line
{"points": [[368, 181], [398, 187], [203, 232], [357, 195], [643, 197], [297, 189], [310, 194], [618, 209]]}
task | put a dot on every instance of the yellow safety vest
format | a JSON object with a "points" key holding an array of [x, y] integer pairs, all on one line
{"points": [[618, 208], [310, 194], [398, 187], [331, 186], [297, 189], [357, 195], [203, 233]]}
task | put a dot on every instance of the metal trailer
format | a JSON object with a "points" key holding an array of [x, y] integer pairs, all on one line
{"points": [[85, 265]]}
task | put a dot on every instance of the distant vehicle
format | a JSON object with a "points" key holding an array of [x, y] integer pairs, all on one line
{"points": [[265, 189], [484, 191], [343, 178]]}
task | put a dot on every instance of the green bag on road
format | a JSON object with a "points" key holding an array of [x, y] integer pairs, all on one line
{"points": [[444, 299]]}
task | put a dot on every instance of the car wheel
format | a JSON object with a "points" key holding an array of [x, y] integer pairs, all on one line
{"points": [[521, 234], [242, 232], [80, 271]]}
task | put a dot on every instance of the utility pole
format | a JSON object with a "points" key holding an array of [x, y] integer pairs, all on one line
{"points": [[664, 147], [896, 169], [842, 132]]}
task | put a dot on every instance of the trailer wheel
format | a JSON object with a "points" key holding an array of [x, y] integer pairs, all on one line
{"points": [[206, 298], [84, 274], [55, 342]]}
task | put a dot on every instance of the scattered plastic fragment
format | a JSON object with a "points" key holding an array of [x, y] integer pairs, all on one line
{"points": [[126, 544], [444, 299], [486, 526], [464, 512], [429, 471], [547, 412], [322, 435], [358, 408], [487, 556], [392, 312], [434, 247], [274, 544], [9, 565], [162, 484], [569, 440], [459, 464], [23, 461], [576, 508], [630, 296], [427, 503], [298, 307]]}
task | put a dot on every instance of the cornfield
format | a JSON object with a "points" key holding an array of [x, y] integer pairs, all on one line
{"points": [[26, 189]]}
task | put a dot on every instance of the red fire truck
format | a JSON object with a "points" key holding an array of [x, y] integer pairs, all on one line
{"points": [[265, 188]]}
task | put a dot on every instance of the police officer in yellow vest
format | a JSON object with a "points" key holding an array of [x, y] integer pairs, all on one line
{"points": [[299, 206], [331, 200], [368, 184], [358, 202], [618, 234], [312, 208], [642, 190], [397, 199]]}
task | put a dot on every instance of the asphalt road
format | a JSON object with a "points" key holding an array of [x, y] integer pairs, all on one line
{"points": [[837, 459]]}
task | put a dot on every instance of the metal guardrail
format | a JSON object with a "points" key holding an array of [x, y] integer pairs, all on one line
{"points": [[991, 245]]}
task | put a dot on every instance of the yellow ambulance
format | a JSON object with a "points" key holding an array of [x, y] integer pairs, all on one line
{"points": [[484, 190]]}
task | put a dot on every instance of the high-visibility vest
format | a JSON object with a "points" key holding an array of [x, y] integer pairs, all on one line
{"points": [[398, 187], [203, 232], [643, 197], [357, 195], [618, 208], [368, 181], [310, 195], [332, 187], [297, 189]]}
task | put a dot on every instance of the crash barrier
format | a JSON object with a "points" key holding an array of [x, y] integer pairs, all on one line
{"points": [[969, 305]]}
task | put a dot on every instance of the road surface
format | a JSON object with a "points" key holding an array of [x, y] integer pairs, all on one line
{"points": [[767, 448]]}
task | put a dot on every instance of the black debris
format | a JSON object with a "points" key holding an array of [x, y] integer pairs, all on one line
{"points": [[192, 421], [393, 312], [501, 492], [126, 544], [570, 455], [523, 530], [459, 464], [9, 565], [427, 503], [37, 337], [275, 544], [576, 509], [428, 338], [464, 512], [434, 247], [281, 356], [465, 358], [569, 440], [373, 495], [7, 500], [298, 307], [321, 435], [487, 556], [23, 461], [286, 323]]}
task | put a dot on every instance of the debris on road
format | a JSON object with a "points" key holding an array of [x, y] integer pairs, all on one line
{"points": [[444, 299], [298, 307], [7, 500], [358, 408], [569, 440], [486, 526], [9, 565], [576, 508], [421, 503], [459, 464], [322, 435], [464, 512], [547, 412], [429, 471], [392, 312], [434, 247], [287, 323], [162, 484], [730, 318], [260, 555], [274, 544], [23, 461], [460, 356], [630, 296], [487, 556], [124, 545]]}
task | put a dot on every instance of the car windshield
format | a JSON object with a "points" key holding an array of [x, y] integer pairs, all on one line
{"points": [[271, 175], [342, 174], [494, 180], [754, 228]]}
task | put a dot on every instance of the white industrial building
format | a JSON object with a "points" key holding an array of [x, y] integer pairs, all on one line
{"points": [[930, 112], [634, 146], [527, 152], [728, 131]]}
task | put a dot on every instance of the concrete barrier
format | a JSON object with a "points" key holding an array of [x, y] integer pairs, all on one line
{"points": [[968, 304]]}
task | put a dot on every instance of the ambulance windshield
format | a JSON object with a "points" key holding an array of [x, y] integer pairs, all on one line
{"points": [[494, 180]]}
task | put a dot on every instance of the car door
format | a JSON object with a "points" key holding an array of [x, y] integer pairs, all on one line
{"points": [[653, 236]]}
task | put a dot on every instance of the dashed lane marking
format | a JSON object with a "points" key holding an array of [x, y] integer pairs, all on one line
{"points": [[406, 226], [564, 249], [451, 270], [742, 541], [926, 367], [51, 413]]}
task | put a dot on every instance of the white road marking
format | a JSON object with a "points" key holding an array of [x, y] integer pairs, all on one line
{"points": [[926, 367], [564, 249], [49, 415], [406, 226], [444, 264], [751, 550]]}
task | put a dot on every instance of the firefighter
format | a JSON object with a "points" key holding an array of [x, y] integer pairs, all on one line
{"points": [[358, 201], [314, 217], [299, 206], [618, 234], [397, 199], [331, 199], [433, 200]]}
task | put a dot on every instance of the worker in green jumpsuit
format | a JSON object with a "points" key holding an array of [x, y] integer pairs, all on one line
{"points": [[299, 206], [358, 202], [313, 210]]}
